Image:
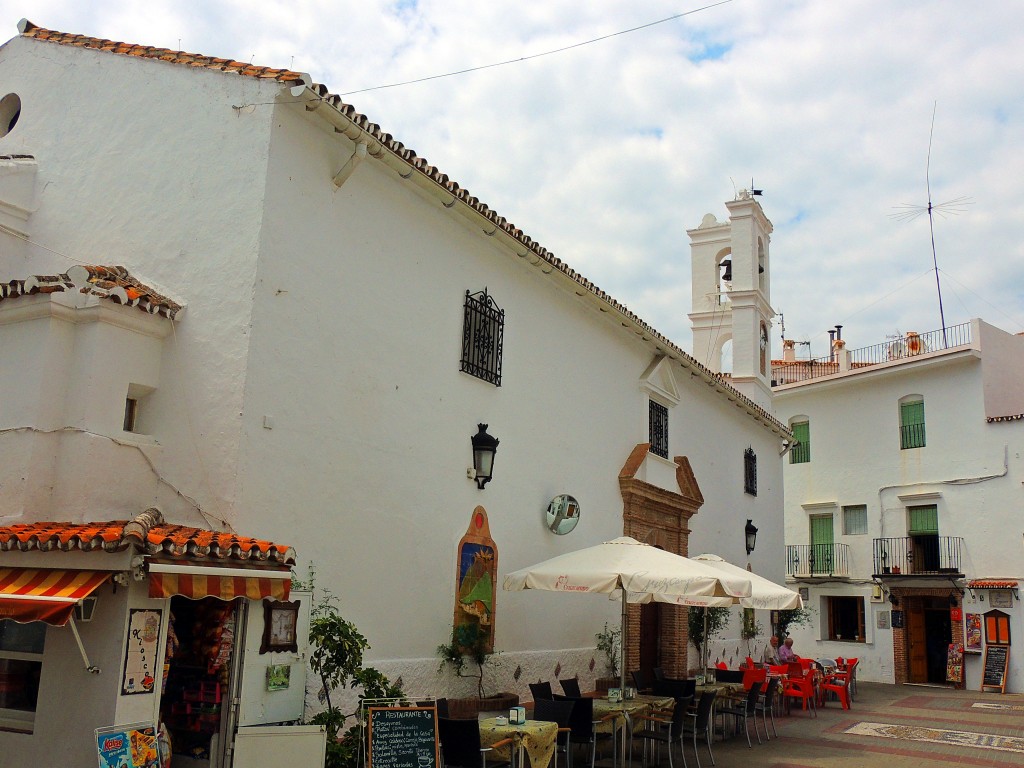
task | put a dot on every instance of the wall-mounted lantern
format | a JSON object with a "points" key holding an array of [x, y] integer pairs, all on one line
{"points": [[484, 448], [751, 535]]}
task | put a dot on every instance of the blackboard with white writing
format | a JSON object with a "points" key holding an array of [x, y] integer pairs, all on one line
{"points": [[997, 658], [403, 737]]}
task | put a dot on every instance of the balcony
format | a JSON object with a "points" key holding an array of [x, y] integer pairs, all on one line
{"points": [[922, 555], [817, 560]]}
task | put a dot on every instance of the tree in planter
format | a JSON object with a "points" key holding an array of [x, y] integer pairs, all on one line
{"points": [[608, 643], [797, 617], [751, 629], [469, 643], [715, 619], [337, 658]]}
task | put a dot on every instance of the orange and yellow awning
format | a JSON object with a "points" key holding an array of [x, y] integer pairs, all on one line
{"points": [[45, 594]]}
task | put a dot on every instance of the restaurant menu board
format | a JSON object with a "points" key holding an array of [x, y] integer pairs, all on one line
{"points": [[993, 675], [403, 737], [128, 746]]}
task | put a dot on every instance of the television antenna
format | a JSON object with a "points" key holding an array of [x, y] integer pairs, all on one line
{"points": [[948, 208]]}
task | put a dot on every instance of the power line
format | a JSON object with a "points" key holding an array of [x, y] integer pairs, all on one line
{"points": [[537, 55]]}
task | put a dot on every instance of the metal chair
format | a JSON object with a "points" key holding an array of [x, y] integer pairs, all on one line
{"points": [[766, 705], [672, 686], [701, 723], [668, 731], [583, 727], [557, 712], [746, 710], [541, 690], [461, 747], [571, 687], [641, 681]]}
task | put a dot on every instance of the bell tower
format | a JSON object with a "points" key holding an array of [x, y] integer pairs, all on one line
{"points": [[730, 280]]}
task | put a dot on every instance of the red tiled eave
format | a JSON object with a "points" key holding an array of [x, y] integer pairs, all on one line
{"points": [[992, 584], [420, 165], [287, 76], [113, 283], [149, 534]]}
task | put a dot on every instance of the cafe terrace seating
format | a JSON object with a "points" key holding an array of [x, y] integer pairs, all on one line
{"points": [[746, 710], [557, 712], [571, 687], [669, 731], [583, 728], [671, 686], [461, 747], [700, 722], [766, 704], [800, 685], [540, 690]]}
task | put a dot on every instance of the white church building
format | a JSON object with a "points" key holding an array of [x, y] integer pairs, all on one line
{"points": [[248, 332]]}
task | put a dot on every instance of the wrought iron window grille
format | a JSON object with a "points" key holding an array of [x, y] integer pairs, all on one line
{"points": [[483, 334], [658, 428], [750, 472]]}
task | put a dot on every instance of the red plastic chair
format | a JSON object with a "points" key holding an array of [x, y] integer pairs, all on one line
{"points": [[801, 687], [751, 676], [838, 684], [849, 673], [721, 665]]}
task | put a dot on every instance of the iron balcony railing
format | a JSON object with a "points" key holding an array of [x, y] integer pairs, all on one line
{"points": [[906, 345], [918, 555], [817, 560]]}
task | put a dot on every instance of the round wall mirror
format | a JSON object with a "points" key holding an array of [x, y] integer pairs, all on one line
{"points": [[563, 514]]}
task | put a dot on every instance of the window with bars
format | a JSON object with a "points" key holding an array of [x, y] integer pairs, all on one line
{"points": [[912, 424], [483, 331], [801, 452], [657, 428], [750, 472]]}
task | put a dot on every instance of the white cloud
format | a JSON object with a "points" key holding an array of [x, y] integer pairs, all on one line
{"points": [[607, 153]]}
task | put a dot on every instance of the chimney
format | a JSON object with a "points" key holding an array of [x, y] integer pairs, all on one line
{"points": [[788, 351]]}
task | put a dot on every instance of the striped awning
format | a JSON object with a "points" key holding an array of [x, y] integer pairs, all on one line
{"points": [[45, 594], [197, 582]]}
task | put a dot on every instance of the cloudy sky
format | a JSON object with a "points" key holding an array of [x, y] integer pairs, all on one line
{"points": [[606, 153]]}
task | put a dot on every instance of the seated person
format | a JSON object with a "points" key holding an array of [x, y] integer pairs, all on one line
{"points": [[770, 657], [786, 654]]}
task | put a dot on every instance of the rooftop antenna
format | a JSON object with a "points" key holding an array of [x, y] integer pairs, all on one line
{"points": [[753, 190], [948, 208]]}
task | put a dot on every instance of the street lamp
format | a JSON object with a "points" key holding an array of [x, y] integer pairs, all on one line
{"points": [[751, 534], [484, 448]]}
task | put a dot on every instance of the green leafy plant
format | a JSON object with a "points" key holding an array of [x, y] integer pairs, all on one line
{"points": [[337, 658], [717, 620], [796, 617], [467, 646], [608, 643]]}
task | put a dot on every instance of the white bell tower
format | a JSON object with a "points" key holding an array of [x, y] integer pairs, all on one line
{"points": [[730, 280]]}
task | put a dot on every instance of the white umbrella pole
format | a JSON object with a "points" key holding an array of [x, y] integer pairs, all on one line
{"points": [[707, 648]]}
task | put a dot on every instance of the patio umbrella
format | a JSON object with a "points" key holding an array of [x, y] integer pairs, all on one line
{"points": [[634, 568], [764, 594]]}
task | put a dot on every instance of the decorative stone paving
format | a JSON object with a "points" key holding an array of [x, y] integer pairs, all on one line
{"points": [[1003, 707], [938, 736]]}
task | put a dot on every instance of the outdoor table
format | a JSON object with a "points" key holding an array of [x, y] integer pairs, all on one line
{"points": [[535, 737], [725, 691]]}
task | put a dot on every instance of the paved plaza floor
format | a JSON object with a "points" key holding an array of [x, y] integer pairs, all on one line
{"points": [[895, 726]]}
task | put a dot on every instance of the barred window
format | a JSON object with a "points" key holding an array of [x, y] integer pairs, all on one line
{"points": [[657, 424], [750, 472], [912, 424], [483, 331], [801, 452]]}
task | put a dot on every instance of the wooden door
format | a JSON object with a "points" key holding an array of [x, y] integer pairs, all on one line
{"points": [[917, 643], [650, 637]]}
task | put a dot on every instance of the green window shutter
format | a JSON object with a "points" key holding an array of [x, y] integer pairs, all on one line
{"points": [[821, 543], [924, 520], [801, 452], [912, 424]]}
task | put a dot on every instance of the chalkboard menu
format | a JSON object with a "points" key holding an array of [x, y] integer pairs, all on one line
{"points": [[997, 658], [403, 737]]}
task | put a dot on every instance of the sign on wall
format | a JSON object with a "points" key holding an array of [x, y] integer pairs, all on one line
{"points": [[972, 633], [128, 746], [141, 651]]}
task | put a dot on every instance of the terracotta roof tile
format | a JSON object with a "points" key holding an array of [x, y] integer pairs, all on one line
{"points": [[157, 538], [419, 164], [992, 584], [114, 283], [28, 29]]}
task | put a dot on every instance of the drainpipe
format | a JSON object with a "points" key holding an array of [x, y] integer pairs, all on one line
{"points": [[353, 162]]}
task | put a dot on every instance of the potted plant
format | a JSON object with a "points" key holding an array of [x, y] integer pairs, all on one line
{"points": [[751, 629], [469, 655], [791, 618], [714, 620], [608, 643]]}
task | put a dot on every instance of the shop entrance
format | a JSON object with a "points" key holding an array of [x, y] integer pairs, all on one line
{"points": [[198, 672]]}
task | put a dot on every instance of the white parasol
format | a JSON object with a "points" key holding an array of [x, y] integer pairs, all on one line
{"points": [[634, 568]]}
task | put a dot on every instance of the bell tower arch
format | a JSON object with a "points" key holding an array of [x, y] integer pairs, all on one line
{"points": [[730, 281]]}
